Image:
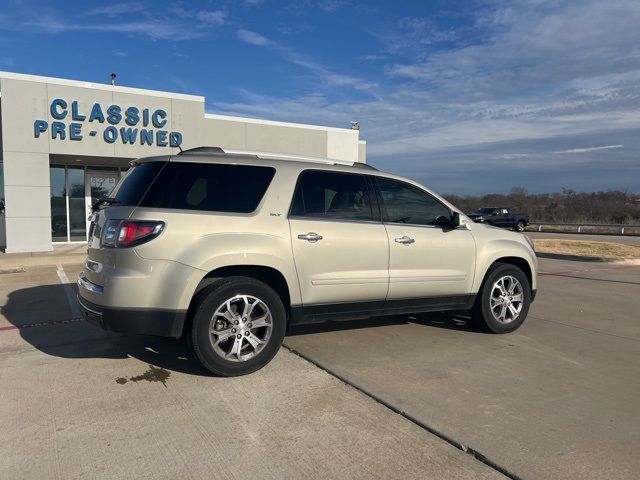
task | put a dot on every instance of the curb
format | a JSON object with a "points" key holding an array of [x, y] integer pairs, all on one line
{"points": [[16, 265], [573, 258]]}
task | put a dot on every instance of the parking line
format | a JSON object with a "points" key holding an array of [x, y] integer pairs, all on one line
{"points": [[68, 290], [40, 324]]}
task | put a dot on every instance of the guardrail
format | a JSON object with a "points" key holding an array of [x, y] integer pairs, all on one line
{"points": [[580, 226]]}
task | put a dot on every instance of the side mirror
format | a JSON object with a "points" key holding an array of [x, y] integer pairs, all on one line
{"points": [[455, 219]]}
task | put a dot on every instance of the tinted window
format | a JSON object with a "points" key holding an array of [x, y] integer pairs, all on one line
{"points": [[136, 182], [210, 187], [58, 204], [332, 195], [405, 203]]}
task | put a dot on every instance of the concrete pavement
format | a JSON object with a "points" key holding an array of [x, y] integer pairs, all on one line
{"points": [[76, 402], [556, 399]]}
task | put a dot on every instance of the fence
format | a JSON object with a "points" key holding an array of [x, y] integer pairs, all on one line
{"points": [[593, 228]]}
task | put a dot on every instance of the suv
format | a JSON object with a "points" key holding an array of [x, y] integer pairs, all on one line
{"points": [[230, 248]]}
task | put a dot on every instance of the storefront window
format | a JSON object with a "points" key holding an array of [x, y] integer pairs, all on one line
{"points": [[58, 204], [77, 209], [73, 190]]}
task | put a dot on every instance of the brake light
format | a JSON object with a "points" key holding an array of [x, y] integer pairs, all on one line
{"points": [[129, 233]]}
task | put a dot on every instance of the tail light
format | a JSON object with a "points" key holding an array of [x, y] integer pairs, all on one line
{"points": [[129, 233]]}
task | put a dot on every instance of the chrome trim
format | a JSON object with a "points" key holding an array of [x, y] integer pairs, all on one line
{"points": [[79, 298], [405, 240], [93, 266], [310, 237], [335, 220], [90, 286]]}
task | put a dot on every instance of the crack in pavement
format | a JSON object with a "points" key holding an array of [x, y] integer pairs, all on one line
{"points": [[443, 436]]}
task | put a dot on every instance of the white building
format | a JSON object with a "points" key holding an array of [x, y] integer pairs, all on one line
{"points": [[64, 143]]}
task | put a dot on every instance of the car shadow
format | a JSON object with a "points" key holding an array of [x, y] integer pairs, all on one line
{"points": [[459, 321], [44, 319]]}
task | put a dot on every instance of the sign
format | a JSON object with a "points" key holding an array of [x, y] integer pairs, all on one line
{"points": [[139, 126]]}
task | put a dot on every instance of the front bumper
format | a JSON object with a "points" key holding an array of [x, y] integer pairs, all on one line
{"points": [[164, 323]]}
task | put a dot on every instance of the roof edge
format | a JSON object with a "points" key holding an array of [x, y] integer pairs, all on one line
{"points": [[98, 86]]}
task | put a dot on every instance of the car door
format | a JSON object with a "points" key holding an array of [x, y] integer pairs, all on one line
{"points": [[340, 246], [429, 259]]}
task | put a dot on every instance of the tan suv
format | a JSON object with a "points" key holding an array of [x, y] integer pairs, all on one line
{"points": [[230, 248]]}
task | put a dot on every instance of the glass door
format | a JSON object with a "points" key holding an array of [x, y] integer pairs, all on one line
{"points": [[98, 184]]}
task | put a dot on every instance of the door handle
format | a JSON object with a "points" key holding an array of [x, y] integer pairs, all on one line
{"points": [[310, 237], [405, 240]]}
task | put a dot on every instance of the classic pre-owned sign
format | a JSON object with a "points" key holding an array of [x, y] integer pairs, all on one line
{"points": [[141, 126]]}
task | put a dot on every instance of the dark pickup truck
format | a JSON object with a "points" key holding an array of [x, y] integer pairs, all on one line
{"points": [[500, 217]]}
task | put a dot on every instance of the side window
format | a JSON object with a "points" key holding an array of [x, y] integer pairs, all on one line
{"points": [[207, 187], [340, 196], [404, 203]]}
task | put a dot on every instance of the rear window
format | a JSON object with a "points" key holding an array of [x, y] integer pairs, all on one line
{"points": [[209, 187], [136, 182]]}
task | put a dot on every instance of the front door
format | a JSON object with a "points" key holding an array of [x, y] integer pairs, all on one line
{"points": [[426, 260], [339, 245], [98, 184]]}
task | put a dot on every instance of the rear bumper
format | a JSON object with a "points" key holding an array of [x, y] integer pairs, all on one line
{"points": [[164, 323]]}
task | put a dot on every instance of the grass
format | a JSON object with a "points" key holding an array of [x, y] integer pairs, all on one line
{"points": [[582, 248]]}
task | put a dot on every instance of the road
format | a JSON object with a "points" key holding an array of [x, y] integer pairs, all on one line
{"points": [[556, 399]]}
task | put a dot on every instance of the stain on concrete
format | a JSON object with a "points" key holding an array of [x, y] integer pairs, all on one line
{"points": [[153, 374]]}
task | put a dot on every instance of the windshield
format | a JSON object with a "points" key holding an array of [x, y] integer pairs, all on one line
{"points": [[485, 210]]}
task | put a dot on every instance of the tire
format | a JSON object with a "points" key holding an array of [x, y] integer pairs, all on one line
{"points": [[520, 226], [490, 295], [218, 322]]}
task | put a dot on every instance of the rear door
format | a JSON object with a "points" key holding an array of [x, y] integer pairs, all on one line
{"points": [[339, 244], [428, 262], [504, 218]]}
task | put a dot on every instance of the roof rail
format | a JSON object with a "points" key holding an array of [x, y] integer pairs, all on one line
{"points": [[365, 166], [204, 150], [271, 156]]}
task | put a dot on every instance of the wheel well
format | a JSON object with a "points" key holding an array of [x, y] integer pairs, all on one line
{"points": [[272, 277], [521, 263], [268, 275]]}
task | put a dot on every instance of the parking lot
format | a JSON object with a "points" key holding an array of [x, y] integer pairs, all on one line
{"points": [[398, 397]]}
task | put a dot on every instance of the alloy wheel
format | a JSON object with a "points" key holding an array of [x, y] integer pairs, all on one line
{"points": [[507, 299], [240, 328]]}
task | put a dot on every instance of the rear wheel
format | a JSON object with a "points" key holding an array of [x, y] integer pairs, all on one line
{"points": [[520, 226], [238, 326], [503, 301]]}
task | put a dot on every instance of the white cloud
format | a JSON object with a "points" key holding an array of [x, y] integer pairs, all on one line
{"points": [[253, 38], [590, 149], [331, 6], [215, 17], [294, 57], [117, 9]]}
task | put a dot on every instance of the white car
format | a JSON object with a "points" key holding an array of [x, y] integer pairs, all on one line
{"points": [[230, 248]]}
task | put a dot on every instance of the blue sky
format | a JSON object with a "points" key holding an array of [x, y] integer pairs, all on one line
{"points": [[467, 97]]}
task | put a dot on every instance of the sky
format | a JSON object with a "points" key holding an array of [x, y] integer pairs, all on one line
{"points": [[467, 97]]}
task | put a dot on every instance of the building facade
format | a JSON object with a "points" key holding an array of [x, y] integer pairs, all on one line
{"points": [[65, 143]]}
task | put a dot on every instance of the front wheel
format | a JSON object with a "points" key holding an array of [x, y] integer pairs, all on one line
{"points": [[238, 326], [503, 301], [520, 226]]}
